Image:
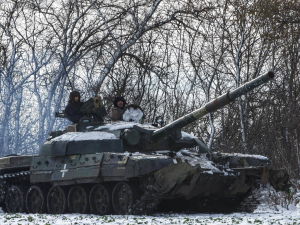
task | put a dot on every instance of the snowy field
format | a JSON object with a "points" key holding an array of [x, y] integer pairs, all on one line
{"points": [[271, 217]]}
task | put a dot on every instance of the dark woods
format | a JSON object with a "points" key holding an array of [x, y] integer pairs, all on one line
{"points": [[170, 57]]}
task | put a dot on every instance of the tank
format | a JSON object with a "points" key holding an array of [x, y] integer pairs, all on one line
{"points": [[127, 167]]}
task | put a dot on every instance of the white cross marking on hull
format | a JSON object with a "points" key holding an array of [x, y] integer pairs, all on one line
{"points": [[64, 170]]}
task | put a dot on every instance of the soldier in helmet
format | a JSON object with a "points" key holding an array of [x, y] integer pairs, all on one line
{"points": [[73, 108], [117, 110]]}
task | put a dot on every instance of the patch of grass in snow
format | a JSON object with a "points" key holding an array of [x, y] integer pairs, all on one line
{"points": [[30, 219], [64, 218], [12, 216]]}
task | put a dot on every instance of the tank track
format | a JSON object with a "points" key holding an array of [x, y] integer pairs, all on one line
{"points": [[250, 201], [147, 203], [15, 176], [12, 178]]}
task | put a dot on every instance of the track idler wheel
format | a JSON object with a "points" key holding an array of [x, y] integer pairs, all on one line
{"points": [[15, 200], [35, 200], [100, 199], [124, 196], [57, 200], [78, 200]]}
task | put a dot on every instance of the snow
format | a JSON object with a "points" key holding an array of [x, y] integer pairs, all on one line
{"points": [[138, 155], [185, 156], [132, 114], [200, 160], [187, 135], [84, 136], [246, 155], [117, 126], [123, 125], [266, 218]]}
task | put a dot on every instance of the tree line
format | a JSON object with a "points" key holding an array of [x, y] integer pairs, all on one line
{"points": [[168, 56]]}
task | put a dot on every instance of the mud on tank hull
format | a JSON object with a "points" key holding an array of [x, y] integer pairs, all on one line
{"points": [[125, 183]]}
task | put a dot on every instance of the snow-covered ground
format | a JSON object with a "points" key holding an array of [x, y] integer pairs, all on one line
{"points": [[258, 217]]}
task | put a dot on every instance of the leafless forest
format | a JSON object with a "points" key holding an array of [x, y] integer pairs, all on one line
{"points": [[168, 56]]}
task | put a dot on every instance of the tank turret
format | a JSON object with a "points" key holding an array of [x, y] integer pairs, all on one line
{"points": [[169, 137], [130, 136]]}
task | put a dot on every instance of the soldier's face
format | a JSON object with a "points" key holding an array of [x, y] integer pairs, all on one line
{"points": [[76, 99], [120, 103]]}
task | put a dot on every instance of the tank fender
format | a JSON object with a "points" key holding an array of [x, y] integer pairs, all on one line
{"points": [[140, 167], [173, 174], [278, 178], [240, 160]]}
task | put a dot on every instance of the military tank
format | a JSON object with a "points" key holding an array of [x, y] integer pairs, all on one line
{"points": [[126, 167]]}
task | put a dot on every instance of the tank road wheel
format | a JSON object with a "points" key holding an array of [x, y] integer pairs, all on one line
{"points": [[15, 200], [124, 197], [78, 200], [35, 200], [57, 200], [3, 190], [100, 200]]}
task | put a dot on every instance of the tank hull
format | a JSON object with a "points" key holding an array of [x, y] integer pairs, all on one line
{"points": [[148, 180]]}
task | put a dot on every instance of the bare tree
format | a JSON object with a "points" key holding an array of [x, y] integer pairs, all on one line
{"points": [[13, 74], [156, 13]]}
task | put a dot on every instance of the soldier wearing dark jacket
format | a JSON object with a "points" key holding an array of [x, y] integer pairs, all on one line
{"points": [[117, 110], [73, 108]]}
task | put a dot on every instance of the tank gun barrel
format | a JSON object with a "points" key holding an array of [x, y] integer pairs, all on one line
{"points": [[211, 106]]}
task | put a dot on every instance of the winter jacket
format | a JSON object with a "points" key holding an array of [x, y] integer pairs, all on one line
{"points": [[73, 111], [116, 113], [73, 108]]}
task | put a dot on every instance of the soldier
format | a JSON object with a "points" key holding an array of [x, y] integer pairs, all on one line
{"points": [[117, 110], [94, 108], [73, 108]]}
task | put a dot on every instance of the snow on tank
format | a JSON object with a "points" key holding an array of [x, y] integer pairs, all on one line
{"points": [[133, 113]]}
